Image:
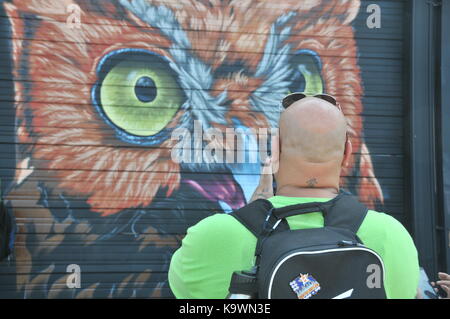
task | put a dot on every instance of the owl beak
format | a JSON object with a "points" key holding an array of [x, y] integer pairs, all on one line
{"points": [[231, 185]]}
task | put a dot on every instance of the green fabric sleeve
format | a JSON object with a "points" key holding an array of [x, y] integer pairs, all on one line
{"points": [[211, 251], [387, 236]]}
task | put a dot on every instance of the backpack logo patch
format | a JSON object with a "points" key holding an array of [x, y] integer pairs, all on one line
{"points": [[305, 286]]}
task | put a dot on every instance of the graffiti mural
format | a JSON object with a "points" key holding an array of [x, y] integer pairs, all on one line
{"points": [[99, 88]]}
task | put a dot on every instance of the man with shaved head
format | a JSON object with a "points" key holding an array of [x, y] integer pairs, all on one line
{"points": [[313, 138], [307, 159]]}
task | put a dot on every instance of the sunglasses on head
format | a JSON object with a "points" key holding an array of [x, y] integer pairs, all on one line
{"points": [[288, 100]]}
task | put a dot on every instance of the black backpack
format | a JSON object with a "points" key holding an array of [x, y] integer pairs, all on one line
{"points": [[323, 263]]}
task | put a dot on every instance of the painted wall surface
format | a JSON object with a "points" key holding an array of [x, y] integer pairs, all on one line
{"points": [[93, 91]]}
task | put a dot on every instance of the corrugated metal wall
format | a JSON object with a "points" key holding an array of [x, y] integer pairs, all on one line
{"points": [[89, 103]]}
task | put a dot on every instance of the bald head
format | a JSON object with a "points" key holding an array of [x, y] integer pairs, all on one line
{"points": [[313, 131]]}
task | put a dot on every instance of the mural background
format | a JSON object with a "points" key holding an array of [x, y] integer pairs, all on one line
{"points": [[86, 116]]}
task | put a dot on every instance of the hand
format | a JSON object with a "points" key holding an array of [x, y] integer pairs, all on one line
{"points": [[444, 283], [265, 187]]}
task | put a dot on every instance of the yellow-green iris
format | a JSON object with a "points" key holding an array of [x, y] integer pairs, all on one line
{"points": [[140, 97], [310, 81]]}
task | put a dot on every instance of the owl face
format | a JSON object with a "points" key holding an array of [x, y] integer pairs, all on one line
{"points": [[97, 105]]}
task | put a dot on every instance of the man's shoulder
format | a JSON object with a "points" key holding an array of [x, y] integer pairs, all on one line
{"points": [[391, 240], [213, 248], [382, 221], [217, 225], [384, 228]]}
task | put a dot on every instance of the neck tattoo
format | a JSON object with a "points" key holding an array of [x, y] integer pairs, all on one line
{"points": [[312, 182]]}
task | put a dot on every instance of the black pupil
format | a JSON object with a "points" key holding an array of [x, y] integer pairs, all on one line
{"points": [[298, 83], [145, 89]]}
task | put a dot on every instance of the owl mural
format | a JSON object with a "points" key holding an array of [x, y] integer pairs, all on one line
{"points": [[96, 105]]}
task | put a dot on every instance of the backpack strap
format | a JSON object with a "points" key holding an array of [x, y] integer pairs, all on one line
{"points": [[254, 215], [346, 212], [343, 211], [258, 218], [305, 208]]}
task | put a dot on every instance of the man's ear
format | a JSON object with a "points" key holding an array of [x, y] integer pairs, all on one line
{"points": [[275, 152], [347, 153]]}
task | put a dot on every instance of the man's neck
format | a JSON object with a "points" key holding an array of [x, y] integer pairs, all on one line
{"points": [[311, 192]]}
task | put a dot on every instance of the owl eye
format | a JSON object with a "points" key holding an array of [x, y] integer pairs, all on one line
{"points": [[307, 75], [137, 94]]}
